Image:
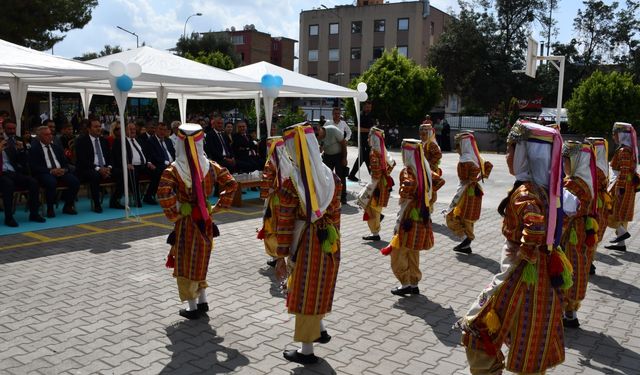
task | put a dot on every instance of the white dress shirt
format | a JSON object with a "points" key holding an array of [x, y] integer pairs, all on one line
{"points": [[342, 125], [51, 164], [95, 152], [137, 158]]}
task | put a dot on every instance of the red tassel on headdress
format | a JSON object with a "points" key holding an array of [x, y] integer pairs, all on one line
{"points": [[171, 261], [260, 235], [386, 250], [487, 344], [365, 216]]}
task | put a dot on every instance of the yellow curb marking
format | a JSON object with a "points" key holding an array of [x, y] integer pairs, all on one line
{"points": [[37, 236], [90, 228]]}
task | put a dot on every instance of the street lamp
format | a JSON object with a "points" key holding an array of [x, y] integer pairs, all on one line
{"points": [[130, 32], [184, 32]]}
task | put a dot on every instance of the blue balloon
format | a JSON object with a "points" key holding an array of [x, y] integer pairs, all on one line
{"points": [[278, 81], [124, 83], [268, 81]]}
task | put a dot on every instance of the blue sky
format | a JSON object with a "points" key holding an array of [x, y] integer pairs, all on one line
{"points": [[160, 22]]}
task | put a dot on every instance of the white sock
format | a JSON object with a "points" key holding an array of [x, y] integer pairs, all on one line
{"points": [[192, 305], [322, 327], [405, 285], [202, 296], [570, 315], [621, 243], [620, 230], [307, 348]]}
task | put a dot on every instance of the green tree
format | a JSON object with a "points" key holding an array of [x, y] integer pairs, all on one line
{"points": [[216, 58], [402, 92], [38, 23], [106, 51], [500, 121], [208, 43], [601, 100]]}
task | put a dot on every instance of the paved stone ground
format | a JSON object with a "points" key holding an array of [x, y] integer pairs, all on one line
{"points": [[101, 301]]}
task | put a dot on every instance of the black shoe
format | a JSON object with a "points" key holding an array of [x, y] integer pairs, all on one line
{"points": [[400, 291], [51, 213], [149, 200], [464, 244], [117, 205], [621, 238], [371, 238], [69, 210], [303, 359], [97, 209], [272, 262], [415, 290], [616, 247], [570, 323], [11, 222], [353, 178], [324, 338], [381, 217], [463, 250], [191, 315], [203, 307], [37, 218], [592, 269], [343, 200]]}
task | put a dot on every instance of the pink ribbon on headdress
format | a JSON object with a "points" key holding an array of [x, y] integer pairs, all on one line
{"points": [[634, 145], [594, 178], [383, 151], [555, 186]]}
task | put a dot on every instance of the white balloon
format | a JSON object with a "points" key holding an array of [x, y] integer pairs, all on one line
{"points": [[116, 68], [362, 96], [362, 87], [134, 70]]}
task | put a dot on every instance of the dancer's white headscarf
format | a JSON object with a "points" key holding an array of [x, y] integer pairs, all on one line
{"points": [[627, 136], [537, 158], [190, 133], [602, 153], [582, 164], [277, 154], [413, 158], [312, 178], [430, 134]]}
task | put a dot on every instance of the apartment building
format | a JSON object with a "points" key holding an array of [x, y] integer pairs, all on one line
{"points": [[255, 46], [338, 44]]}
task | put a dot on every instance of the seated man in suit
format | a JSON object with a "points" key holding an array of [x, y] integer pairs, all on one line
{"points": [[48, 166], [245, 150], [13, 175], [161, 153], [94, 164], [138, 162], [217, 147]]}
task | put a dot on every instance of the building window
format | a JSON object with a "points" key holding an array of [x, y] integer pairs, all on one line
{"points": [[432, 28], [403, 50], [355, 53], [237, 39], [356, 27], [377, 52], [314, 29], [334, 55], [378, 26], [403, 24], [313, 55], [353, 75], [334, 28]]}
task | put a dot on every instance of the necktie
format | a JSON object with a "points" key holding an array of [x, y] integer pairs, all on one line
{"points": [[51, 158], [135, 145], [1, 162], [96, 146], [12, 142], [224, 145], [167, 156]]}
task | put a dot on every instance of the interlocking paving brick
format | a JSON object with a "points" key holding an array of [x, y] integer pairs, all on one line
{"points": [[104, 303]]}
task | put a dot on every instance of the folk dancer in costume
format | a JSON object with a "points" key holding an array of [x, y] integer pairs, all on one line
{"points": [[522, 306], [183, 191], [375, 195], [466, 205], [580, 225], [277, 168], [601, 147], [433, 155], [308, 233], [623, 183], [413, 231]]}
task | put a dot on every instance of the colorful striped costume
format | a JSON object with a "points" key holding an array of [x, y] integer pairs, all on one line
{"points": [[192, 246], [601, 148], [522, 306], [466, 205], [622, 190]]}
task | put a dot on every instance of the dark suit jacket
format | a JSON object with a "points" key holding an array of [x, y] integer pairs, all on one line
{"points": [[242, 145], [214, 148], [117, 154], [17, 158], [156, 153], [85, 154], [37, 161]]}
